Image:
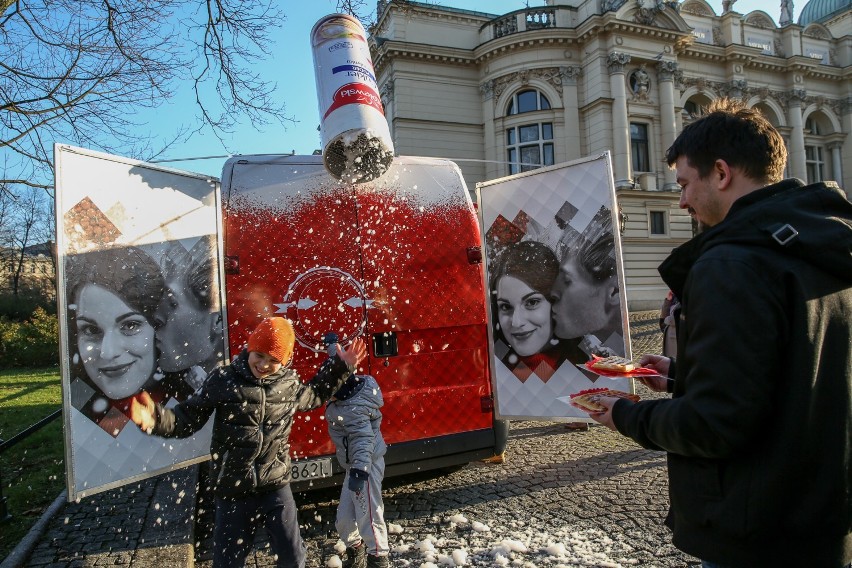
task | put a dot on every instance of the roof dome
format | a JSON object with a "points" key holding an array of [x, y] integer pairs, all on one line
{"points": [[817, 10]]}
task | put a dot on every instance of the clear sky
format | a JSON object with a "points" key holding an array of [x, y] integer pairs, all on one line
{"points": [[292, 69]]}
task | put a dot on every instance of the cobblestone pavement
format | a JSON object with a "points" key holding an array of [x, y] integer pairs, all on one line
{"points": [[570, 498]]}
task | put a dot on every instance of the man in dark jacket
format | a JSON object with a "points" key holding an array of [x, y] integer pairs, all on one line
{"points": [[759, 428], [255, 398]]}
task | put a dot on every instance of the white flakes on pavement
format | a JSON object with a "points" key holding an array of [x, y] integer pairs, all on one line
{"points": [[520, 547]]}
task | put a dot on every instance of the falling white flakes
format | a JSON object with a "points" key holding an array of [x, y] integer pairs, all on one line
{"points": [[395, 529], [334, 562]]}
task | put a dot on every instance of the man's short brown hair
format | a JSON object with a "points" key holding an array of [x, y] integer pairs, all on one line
{"points": [[733, 132]]}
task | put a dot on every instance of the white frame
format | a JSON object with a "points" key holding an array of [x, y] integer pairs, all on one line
{"points": [[149, 211], [588, 184]]}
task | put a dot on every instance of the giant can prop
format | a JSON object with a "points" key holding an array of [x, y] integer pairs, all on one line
{"points": [[356, 141]]}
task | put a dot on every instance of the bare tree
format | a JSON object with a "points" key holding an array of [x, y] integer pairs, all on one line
{"points": [[30, 214], [357, 8], [77, 71]]}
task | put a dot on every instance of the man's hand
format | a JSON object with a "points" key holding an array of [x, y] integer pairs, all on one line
{"points": [[661, 365], [355, 354], [658, 363], [142, 411], [605, 418]]}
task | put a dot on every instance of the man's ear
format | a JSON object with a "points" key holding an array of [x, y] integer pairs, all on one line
{"points": [[217, 326], [722, 171], [612, 300], [612, 297]]}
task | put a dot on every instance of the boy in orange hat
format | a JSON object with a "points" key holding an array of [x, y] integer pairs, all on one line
{"points": [[255, 398]]}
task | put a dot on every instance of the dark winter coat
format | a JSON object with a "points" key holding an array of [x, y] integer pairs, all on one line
{"points": [[759, 429], [250, 448]]}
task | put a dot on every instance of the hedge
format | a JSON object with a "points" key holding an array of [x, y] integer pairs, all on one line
{"points": [[33, 342]]}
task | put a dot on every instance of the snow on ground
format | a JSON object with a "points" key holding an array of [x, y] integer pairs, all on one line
{"points": [[471, 543]]}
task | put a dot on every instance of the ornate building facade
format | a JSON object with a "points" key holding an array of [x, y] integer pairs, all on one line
{"points": [[500, 94]]}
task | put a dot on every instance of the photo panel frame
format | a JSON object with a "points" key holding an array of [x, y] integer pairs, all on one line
{"points": [[555, 279], [140, 298]]}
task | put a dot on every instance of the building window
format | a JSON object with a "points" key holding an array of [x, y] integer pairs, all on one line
{"points": [[812, 126], [814, 163], [658, 222], [529, 146], [639, 147], [527, 101]]}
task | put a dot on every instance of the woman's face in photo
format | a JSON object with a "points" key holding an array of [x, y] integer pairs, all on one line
{"points": [[579, 301], [524, 316], [184, 337], [116, 342]]}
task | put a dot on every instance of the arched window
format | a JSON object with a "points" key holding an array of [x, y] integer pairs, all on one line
{"points": [[527, 101], [695, 107], [529, 145], [816, 127]]}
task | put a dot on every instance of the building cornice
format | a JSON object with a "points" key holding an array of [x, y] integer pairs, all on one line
{"points": [[389, 50], [432, 12], [605, 102], [533, 39]]}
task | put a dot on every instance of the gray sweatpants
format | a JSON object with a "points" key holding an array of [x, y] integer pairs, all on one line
{"points": [[361, 516]]}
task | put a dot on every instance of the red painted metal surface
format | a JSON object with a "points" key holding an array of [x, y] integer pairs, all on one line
{"points": [[386, 256]]}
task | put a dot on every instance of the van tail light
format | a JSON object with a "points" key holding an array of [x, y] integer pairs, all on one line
{"points": [[486, 403], [474, 255]]}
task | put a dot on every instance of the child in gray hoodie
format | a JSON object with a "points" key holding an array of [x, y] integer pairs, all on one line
{"points": [[354, 419]]}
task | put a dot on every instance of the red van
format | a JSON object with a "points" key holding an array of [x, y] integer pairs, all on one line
{"points": [[397, 261]]}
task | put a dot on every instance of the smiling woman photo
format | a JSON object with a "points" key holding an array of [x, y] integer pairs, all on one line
{"points": [[113, 297], [523, 277], [521, 280]]}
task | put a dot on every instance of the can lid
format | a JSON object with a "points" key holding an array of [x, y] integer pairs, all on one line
{"points": [[337, 26]]}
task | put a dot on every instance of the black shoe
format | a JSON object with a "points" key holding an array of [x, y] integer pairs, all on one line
{"points": [[377, 561], [356, 557]]}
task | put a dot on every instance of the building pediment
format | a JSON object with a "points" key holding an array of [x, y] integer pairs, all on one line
{"points": [[655, 13]]}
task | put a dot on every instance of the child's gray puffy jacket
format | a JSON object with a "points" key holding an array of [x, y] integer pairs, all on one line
{"points": [[354, 425]]}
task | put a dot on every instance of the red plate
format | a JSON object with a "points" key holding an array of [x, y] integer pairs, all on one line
{"points": [[638, 372]]}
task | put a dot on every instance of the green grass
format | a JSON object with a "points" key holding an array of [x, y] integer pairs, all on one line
{"points": [[33, 470]]}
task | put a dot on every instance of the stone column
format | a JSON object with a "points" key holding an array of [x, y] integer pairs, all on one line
{"points": [[846, 150], [571, 108], [666, 71], [796, 159], [494, 167], [386, 94], [836, 162], [621, 167]]}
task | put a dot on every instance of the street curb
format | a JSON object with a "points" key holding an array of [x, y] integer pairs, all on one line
{"points": [[22, 551]]}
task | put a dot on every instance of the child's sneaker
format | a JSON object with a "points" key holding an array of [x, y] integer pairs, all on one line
{"points": [[377, 561], [356, 557]]}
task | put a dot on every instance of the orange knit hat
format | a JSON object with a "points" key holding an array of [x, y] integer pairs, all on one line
{"points": [[273, 336]]}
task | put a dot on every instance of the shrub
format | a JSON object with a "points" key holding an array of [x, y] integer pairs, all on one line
{"points": [[22, 306], [30, 343]]}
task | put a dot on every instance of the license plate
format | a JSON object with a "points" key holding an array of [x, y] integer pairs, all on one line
{"points": [[311, 469]]}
